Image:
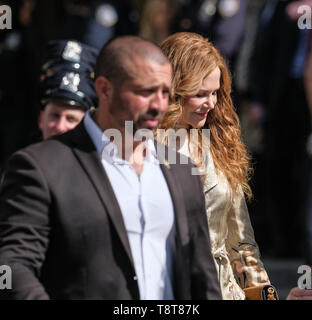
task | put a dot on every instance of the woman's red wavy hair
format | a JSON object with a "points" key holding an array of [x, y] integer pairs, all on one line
{"points": [[193, 58]]}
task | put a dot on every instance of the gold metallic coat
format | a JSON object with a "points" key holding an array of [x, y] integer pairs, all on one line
{"points": [[233, 244]]}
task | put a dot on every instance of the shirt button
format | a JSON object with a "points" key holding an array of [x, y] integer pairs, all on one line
{"points": [[135, 278]]}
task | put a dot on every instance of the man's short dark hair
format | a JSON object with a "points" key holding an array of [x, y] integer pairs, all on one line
{"points": [[114, 58]]}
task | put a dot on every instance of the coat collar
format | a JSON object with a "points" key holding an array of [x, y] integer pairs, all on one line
{"points": [[211, 179]]}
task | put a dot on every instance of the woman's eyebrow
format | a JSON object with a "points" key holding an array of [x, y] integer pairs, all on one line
{"points": [[205, 90]]}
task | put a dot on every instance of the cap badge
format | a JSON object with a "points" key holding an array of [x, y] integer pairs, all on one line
{"points": [[72, 51], [70, 82]]}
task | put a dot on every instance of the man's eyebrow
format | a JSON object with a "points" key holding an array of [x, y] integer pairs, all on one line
{"points": [[151, 88]]}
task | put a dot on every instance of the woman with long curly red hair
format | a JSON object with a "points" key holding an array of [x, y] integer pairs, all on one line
{"points": [[201, 99]]}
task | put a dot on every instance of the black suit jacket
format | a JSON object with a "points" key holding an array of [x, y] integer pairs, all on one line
{"points": [[63, 235]]}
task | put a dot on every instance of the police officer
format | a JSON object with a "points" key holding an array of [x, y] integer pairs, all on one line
{"points": [[221, 21], [67, 89]]}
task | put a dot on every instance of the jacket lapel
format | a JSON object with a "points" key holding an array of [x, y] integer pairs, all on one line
{"points": [[177, 199], [90, 161], [180, 281]]}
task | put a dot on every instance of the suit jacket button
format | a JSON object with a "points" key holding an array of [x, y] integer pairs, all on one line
{"points": [[135, 278]]}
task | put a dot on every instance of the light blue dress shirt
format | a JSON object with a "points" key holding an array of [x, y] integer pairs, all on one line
{"points": [[147, 211]]}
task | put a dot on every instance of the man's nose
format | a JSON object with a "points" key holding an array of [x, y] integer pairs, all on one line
{"points": [[159, 100], [62, 125]]}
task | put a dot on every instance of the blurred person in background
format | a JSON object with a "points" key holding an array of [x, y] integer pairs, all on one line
{"points": [[242, 71], [97, 21], [67, 86], [252, 118], [293, 11], [277, 91], [19, 56], [156, 19], [308, 220], [221, 21]]}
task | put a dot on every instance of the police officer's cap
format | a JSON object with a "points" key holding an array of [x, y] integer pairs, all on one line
{"points": [[67, 74]]}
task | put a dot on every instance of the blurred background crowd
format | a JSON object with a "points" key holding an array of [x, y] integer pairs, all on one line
{"points": [[271, 64]]}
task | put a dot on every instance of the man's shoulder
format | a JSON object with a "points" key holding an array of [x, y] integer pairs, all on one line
{"points": [[50, 147], [50, 150]]}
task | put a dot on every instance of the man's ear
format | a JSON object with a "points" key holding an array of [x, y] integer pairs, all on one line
{"points": [[103, 88]]}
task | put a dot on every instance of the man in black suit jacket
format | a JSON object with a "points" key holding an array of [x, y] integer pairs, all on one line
{"points": [[62, 228]]}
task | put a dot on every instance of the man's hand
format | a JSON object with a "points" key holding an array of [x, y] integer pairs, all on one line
{"points": [[292, 8], [299, 294]]}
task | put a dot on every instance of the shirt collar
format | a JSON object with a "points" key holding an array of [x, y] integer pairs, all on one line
{"points": [[108, 150]]}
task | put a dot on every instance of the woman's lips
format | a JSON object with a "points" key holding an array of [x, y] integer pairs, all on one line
{"points": [[202, 114]]}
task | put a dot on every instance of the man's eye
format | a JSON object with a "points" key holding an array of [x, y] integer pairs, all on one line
{"points": [[72, 119], [146, 92], [54, 116]]}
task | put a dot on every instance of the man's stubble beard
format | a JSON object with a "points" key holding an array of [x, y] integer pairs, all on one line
{"points": [[137, 124]]}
